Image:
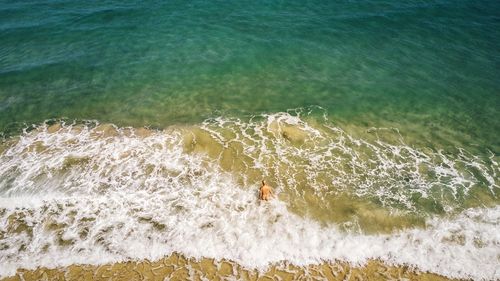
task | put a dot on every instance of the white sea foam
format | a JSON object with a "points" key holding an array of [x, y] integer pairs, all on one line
{"points": [[84, 195], [326, 159], [231, 225]]}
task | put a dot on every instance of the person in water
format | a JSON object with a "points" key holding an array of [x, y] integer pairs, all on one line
{"points": [[265, 191]]}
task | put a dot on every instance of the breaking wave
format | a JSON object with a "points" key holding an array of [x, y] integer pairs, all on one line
{"points": [[91, 193]]}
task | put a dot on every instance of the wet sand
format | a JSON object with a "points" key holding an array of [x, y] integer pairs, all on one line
{"points": [[177, 267]]}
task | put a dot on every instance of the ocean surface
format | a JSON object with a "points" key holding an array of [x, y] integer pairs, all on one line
{"points": [[131, 130]]}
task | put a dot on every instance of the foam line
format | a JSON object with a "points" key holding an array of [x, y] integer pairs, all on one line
{"points": [[97, 194], [122, 226]]}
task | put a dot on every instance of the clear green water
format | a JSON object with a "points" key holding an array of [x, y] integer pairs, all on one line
{"points": [[429, 68], [377, 123]]}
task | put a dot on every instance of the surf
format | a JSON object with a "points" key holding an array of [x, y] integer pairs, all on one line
{"points": [[97, 193]]}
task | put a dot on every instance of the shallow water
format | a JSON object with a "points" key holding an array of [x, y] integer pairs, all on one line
{"points": [[106, 194], [376, 123]]}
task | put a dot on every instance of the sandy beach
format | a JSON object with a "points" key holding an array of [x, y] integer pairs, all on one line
{"points": [[177, 267]]}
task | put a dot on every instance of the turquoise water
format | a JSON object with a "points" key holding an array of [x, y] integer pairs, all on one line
{"points": [[368, 118], [433, 64]]}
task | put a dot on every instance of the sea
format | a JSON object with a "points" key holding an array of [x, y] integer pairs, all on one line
{"points": [[131, 130]]}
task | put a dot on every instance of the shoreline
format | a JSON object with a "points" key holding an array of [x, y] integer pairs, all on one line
{"points": [[178, 267], [143, 187]]}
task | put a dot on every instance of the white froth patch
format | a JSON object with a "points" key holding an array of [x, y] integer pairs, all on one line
{"points": [[91, 198], [232, 225], [327, 159]]}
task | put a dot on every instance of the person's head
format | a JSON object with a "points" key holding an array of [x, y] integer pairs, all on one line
{"points": [[263, 182]]}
